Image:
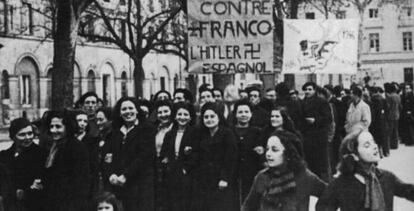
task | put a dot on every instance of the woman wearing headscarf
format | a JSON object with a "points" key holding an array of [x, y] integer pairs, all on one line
{"points": [[361, 185], [24, 161]]}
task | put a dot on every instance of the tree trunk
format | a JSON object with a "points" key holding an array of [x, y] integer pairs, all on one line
{"points": [[64, 55], [138, 77]]}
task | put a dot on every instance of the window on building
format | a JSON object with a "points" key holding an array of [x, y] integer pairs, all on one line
{"points": [[310, 15], [408, 75], [91, 81], [373, 13], [330, 76], [25, 89], [124, 91], [374, 44], [11, 17], [106, 89], [407, 41], [290, 80], [341, 14], [5, 88], [312, 77], [204, 79], [3, 16], [162, 83], [406, 12], [106, 0], [26, 17]]}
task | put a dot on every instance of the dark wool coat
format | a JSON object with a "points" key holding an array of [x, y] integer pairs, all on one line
{"points": [[132, 157], [259, 117], [378, 122], [407, 120], [307, 184], [250, 163], [66, 182], [214, 159], [315, 137], [92, 145], [348, 193], [24, 169], [177, 178], [6, 191]]}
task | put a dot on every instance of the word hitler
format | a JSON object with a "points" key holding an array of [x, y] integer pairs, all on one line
{"points": [[249, 51]]}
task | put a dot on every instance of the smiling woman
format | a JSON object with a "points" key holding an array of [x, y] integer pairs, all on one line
{"points": [[128, 157]]}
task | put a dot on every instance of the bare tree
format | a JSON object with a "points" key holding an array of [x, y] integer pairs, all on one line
{"points": [[138, 33]]}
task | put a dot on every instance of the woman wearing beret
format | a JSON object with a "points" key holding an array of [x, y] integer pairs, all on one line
{"points": [[24, 161]]}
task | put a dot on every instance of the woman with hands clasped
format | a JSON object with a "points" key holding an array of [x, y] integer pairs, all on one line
{"points": [[128, 157], [361, 186], [213, 159], [251, 150], [286, 184]]}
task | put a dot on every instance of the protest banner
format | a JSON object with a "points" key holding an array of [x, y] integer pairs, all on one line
{"points": [[320, 46], [230, 36]]}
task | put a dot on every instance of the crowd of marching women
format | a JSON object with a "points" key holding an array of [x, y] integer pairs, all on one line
{"points": [[231, 150]]}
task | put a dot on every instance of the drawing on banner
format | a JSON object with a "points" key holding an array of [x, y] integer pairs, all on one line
{"points": [[232, 36], [320, 46]]}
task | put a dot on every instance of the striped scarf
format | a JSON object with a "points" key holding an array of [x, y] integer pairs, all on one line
{"points": [[282, 181]]}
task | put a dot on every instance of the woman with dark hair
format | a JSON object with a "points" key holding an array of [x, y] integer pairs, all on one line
{"points": [[66, 176], [286, 184], [175, 153], [164, 123], [92, 144], [361, 185], [213, 160], [128, 157], [161, 95], [250, 148], [281, 124], [106, 201], [24, 161]]}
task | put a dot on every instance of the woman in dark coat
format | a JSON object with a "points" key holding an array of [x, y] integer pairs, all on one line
{"points": [[92, 144], [175, 154], [361, 185], [214, 159], [66, 176], [250, 148], [286, 184], [164, 123], [128, 157], [24, 160]]}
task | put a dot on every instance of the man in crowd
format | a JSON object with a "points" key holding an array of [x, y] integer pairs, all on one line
{"points": [[317, 119], [359, 113]]}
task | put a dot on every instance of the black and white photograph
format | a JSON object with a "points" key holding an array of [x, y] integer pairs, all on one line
{"points": [[206, 105]]}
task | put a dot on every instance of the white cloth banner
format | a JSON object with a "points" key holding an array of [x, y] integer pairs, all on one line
{"points": [[232, 36], [320, 46]]}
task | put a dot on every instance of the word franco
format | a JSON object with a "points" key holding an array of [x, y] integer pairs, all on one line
{"points": [[233, 36]]}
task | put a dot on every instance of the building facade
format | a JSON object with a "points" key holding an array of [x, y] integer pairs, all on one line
{"points": [[26, 60], [386, 53]]}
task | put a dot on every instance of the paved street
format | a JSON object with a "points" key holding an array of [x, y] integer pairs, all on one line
{"points": [[400, 162]]}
